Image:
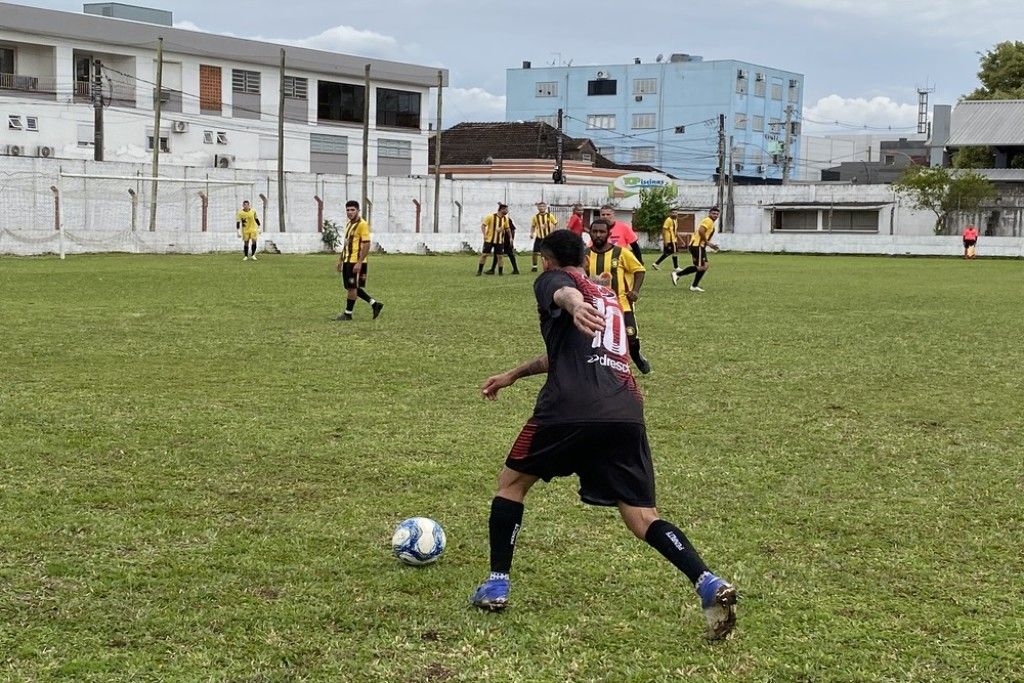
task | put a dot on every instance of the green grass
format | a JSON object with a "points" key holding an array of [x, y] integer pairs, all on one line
{"points": [[200, 472]]}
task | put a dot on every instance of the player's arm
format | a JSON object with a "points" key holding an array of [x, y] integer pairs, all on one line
{"points": [[238, 224], [364, 249], [483, 226], [492, 385], [637, 270], [258, 224], [635, 248], [533, 228], [584, 316]]}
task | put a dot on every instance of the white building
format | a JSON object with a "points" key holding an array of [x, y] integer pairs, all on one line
{"points": [[820, 152], [220, 98]]}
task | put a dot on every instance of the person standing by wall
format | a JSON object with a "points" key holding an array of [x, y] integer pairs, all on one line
{"points": [[970, 240]]}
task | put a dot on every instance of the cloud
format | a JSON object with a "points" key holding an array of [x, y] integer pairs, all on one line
{"points": [[470, 104], [835, 113]]}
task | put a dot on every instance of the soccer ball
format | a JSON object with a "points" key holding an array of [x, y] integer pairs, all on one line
{"points": [[418, 541]]}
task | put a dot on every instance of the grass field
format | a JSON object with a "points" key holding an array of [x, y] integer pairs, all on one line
{"points": [[200, 472]]}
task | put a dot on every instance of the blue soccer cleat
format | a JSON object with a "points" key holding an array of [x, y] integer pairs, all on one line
{"points": [[718, 600], [491, 595]]}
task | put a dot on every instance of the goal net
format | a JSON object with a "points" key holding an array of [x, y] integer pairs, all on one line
{"points": [[77, 213]]}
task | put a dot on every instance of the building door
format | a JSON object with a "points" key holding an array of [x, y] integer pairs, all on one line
{"points": [[684, 229]]}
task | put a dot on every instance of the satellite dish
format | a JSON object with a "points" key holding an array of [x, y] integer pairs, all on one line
{"points": [[659, 58]]}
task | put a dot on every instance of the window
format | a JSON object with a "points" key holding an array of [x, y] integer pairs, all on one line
{"points": [[222, 137], [328, 144], [394, 149], [643, 121], [741, 82], [6, 60], [775, 126], [551, 120], [547, 89], [268, 147], [586, 157], [295, 87], [759, 83], [739, 153], [601, 121], [399, 108], [757, 124], [208, 137], [645, 86], [85, 135], [606, 152], [339, 102], [13, 122], [756, 156], [741, 121], [777, 91], [795, 220], [209, 89], [247, 82], [851, 221], [794, 91], [890, 159], [602, 86], [31, 123], [164, 143], [641, 155]]}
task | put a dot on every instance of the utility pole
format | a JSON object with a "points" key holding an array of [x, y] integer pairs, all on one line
{"points": [[728, 225], [366, 143], [437, 156], [787, 158], [97, 110], [559, 175], [721, 160], [280, 151], [157, 102]]}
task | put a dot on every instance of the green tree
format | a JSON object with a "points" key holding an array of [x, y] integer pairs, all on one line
{"points": [[1001, 73], [655, 203], [943, 192], [974, 157]]}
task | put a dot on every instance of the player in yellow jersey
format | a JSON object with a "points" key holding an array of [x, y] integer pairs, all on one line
{"points": [[494, 228], [669, 235], [541, 226], [352, 264], [699, 245], [247, 224], [618, 269]]}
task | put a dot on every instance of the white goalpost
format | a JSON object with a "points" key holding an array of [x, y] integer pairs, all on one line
{"points": [[106, 212]]}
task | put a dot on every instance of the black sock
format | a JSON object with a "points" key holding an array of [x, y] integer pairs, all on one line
{"points": [[675, 262], [660, 259], [503, 526], [501, 270], [700, 274], [254, 247], [479, 267], [634, 350], [668, 540], [364, 295], [245, 248], [349, 305], [687, 270]]}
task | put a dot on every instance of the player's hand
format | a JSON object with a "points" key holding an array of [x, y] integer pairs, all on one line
{"points": [[340, 267], [357, 268], [714, 247], [587, 320], [494, 384], [632, 296]]}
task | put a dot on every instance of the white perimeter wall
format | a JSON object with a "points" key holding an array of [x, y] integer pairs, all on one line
{"points": [[97, 214]]}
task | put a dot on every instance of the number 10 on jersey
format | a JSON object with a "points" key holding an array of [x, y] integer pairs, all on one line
{"points": [[613, 337]]}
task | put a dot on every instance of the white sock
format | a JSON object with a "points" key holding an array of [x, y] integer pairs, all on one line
{"points": [[498, 575]]}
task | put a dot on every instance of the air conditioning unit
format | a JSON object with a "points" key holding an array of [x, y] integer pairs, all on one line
{"points": [[793, 83], [760, 169], [600, 74], [179, 127], [45, 152], [639, 98], [738, 167], [741, 73], [224, 161], [15, 150], [759, 78]]}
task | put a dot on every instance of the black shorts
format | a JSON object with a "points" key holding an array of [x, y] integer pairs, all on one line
{"points": [[699, 255], [348, 275], [669, 248], [611, 459], [630, 320], [497, 247], [969, 243], [536, 244]]}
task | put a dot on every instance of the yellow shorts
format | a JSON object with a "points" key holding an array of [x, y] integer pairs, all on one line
{"points": [[248, 235]]}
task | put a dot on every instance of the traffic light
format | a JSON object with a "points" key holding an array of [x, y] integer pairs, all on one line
{"points": [[558, 177]]}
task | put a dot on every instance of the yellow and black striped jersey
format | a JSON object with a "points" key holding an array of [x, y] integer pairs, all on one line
{"points": [[495, 226], [621, 264], [357, 233], [542, 224], [708, 225]]}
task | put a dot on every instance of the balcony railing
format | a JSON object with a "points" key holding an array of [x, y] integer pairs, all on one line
{"points": [[21, 85], [117, 93]]}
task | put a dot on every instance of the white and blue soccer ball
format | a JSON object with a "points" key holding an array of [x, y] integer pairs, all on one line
{"points": [[418, 541]]}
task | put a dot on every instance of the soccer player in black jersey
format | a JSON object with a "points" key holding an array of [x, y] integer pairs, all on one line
{"points": [[588, 421]]}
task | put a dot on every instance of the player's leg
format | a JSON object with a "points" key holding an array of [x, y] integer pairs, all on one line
{"points": [[688, 270], [701, 269], [510, 249], [375, 306], [536, 255], [633, 339], [665, 253], [350, 283], [483, 257], [252, 248], [245, 249]]}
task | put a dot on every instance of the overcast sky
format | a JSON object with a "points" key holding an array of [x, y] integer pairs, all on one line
{"points": [[863, 59]]}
